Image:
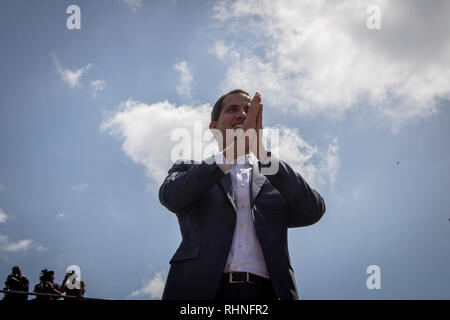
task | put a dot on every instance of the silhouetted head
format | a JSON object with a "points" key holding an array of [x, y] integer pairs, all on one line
{"points": [[16, 271], [47, 276]]}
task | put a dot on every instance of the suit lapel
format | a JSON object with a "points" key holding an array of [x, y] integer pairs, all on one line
{"points": [[257, 183], [228, 188]]}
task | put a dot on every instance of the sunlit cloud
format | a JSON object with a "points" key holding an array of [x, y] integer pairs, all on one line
{"points": [[97, 86], [133, 5], [319, 57], [14, 246], [20, 245], [3, 216], [185, 78], [152, 288], [146, 135], [80, 187], [71, 77]]}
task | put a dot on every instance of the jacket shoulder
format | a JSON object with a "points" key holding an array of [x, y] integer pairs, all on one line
{"points": [[183, 164]]}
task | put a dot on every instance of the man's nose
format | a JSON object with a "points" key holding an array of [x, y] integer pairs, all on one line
{"points": [[242, 114]]}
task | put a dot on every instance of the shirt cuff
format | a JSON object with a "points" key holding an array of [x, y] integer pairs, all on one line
{"points": [[221, 162]]}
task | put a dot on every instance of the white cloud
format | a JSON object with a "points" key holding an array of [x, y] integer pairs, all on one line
{"points": [[20, 245], [3, 216], [224, 52], [152, 288], [185, 78], [61, 215], [347, 197], [40, 247], [319, 56], [146, 133], [97, 86], [80, 187], [71, 77], [318, 167], [132, 4], [12, 246]]}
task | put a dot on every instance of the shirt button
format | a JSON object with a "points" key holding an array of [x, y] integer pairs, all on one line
{"points": [[242, 185], [239, 245], [235, 268], [242, 206], [241, 225]]}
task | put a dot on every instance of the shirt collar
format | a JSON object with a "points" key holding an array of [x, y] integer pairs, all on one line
{"points": [[248, 159], [244, 159], [252, 159]]}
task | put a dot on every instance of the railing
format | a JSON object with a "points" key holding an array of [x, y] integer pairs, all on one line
{"points": [[49, 295]]}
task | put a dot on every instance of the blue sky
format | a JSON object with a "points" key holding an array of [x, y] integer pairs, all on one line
{"points": [[86, 117]]}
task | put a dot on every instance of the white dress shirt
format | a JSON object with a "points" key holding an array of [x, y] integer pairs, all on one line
{"points": [[245, 254]]}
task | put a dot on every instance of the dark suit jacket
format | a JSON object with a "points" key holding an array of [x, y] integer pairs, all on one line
{"points": [[201, 196]]}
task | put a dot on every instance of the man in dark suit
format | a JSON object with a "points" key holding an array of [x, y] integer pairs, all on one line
{"points": [[234, 213]]}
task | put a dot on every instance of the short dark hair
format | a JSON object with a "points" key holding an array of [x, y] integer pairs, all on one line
{"points": [[215, 113], [46, 275]]}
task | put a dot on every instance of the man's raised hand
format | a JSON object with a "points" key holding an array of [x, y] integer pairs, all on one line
{"points": [[251, 121]]}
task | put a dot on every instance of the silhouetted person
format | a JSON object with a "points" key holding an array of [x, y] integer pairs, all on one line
{"points": [[72, 286], [47, 285], [16, 281]]}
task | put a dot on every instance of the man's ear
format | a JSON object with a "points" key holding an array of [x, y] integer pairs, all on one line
{"points": [[213, 129]]}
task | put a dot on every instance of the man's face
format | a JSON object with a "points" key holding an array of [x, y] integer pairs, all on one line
{"points": [[233, 113]]}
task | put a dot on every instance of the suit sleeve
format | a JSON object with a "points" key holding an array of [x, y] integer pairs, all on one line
{"points": [[187, 182], [306, 206]]}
